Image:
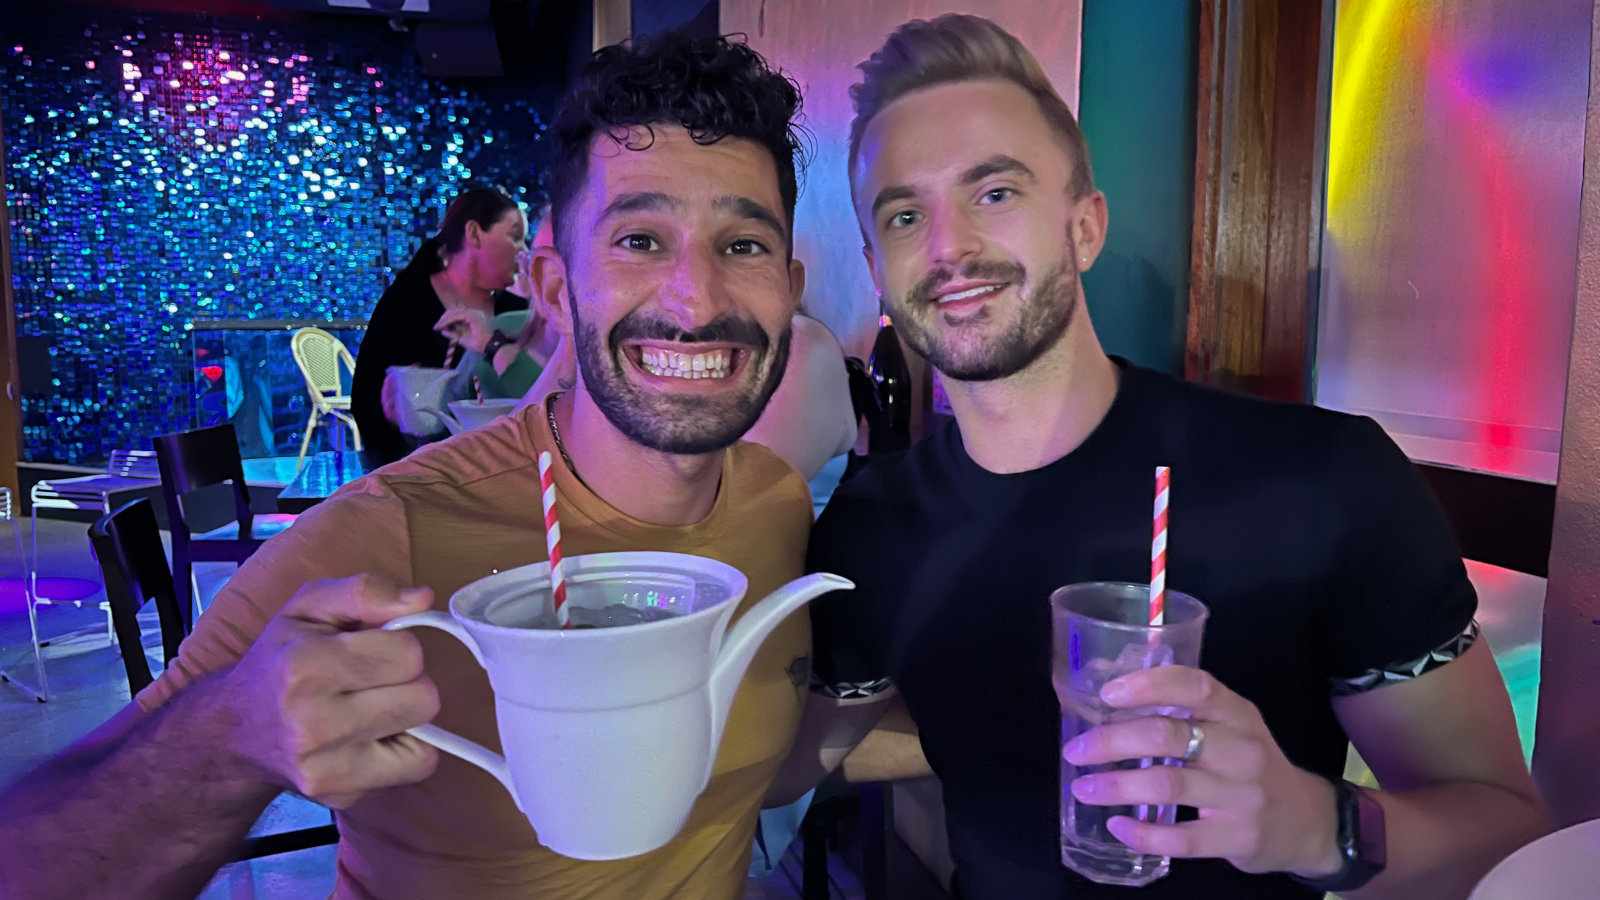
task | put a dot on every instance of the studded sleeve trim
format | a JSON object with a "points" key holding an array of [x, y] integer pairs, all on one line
{"points": [[1406, 670]]}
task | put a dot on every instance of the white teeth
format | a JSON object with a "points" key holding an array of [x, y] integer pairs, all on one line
{"points": [[973, 292], [672, 364]]}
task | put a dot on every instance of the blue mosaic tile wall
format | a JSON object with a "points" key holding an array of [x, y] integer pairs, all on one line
{"points": [[167, 169]]}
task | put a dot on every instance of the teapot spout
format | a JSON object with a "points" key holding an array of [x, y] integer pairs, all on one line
{"points": [[742, 641]]}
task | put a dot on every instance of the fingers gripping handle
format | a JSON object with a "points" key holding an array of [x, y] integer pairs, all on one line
{"points": [[449, 742]]}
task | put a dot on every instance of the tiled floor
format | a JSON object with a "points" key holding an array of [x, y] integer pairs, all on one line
{"points": [[90, 685]]}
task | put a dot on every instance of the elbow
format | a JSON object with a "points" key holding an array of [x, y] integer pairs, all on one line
{"points": [[781, 795], [789, 787], [1539, 821]]}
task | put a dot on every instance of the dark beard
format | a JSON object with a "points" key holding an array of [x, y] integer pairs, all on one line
{"points": [[675, 424], [1046, 314]]}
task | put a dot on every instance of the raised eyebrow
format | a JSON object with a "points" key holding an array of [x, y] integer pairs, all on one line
{"points": [[746, 208], [997, 165], [889, 195]]}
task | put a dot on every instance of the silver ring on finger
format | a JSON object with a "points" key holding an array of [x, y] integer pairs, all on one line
{"points": [[1197, 740]]}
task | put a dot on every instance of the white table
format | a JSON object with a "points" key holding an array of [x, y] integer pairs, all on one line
{"points": [[1560, 866]]}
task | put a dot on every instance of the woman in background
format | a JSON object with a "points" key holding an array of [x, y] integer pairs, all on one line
{"points": [[505, 353], [467, 265]]}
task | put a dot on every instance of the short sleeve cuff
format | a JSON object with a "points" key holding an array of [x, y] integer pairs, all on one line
{"points": [[851, 690], [1405, 670]]}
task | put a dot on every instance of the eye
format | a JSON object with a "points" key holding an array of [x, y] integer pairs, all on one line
{"points": [[905, 218], [747, 247], [643, 243], [997, 195]]}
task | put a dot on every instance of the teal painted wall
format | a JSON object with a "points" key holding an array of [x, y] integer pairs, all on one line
{"points": [[1136, 105]]}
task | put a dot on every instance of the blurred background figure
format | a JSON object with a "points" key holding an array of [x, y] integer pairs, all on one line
{"points": [[810, 421], [465, 268]]}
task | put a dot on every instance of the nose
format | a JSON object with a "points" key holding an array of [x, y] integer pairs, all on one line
{"points": [[694, 295], [952, 237]]}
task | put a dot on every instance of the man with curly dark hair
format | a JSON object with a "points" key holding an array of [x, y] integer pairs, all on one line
{"points": [[673, 202]]}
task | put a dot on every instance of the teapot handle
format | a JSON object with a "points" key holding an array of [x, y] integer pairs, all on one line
{"points": [[448, 741]]}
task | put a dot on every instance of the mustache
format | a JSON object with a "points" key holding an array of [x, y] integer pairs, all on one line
{"points": [[977, 270], [727, 328]]}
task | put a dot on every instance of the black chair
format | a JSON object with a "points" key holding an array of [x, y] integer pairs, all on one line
{"points": [[127, 545], [133, 565], [191, 461]]}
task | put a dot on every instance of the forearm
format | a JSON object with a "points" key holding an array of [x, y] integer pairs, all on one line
{"points": [[1444, 838], [829, 730], [890, 752], [151, 806]]}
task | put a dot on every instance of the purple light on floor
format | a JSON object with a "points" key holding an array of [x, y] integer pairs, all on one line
{"points": [[57, 588]]}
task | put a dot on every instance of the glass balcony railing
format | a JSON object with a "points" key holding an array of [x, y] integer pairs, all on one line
{"points": [[244, 373]]}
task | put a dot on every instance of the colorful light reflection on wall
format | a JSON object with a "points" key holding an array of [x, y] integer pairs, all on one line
{"points": [[1455, 161], [166, 169]]}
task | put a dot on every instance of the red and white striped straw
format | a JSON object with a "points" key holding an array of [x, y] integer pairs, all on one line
{"points": [[552, 541], [1158, 548]]}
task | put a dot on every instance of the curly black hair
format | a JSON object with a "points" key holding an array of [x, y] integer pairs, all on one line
{"points": [[713, 87]]}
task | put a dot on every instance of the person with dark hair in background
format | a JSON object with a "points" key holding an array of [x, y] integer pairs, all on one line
{"points": [[467, 265], [672, 279]]}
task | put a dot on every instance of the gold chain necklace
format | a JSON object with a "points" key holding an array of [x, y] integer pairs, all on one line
{"points": [[555, 432]]}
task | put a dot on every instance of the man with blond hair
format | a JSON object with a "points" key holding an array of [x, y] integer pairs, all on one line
{"points": [[1340, 609]]}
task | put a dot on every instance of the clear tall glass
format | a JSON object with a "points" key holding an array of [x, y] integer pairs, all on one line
{"points": [[1100, 632]]}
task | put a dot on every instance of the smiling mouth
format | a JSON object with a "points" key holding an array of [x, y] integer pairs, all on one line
{"points": [[716, 364], [976, 293]]}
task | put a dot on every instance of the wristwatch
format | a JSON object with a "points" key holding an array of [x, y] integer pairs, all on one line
{"points": [[1363, 849], [494, 343]]}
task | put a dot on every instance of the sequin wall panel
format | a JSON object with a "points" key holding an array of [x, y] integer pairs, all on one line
{"points": [[162, 170]]}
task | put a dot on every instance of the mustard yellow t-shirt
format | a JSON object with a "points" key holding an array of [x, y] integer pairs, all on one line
{"points": [[454, 512]]}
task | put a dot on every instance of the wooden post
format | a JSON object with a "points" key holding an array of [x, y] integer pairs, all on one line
{"points": [[1258, 182], [1567, 740]]}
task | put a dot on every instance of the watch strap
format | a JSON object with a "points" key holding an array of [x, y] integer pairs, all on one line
{"points": [[1361, 841], [492, 346]]}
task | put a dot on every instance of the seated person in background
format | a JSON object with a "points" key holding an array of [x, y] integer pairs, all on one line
{"points": [[809, 421], [1340, 611], [506, 353], [287, 684], [468, 264]]}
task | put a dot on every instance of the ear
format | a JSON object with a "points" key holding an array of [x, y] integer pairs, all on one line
{"points": [[474, 234], [797, 283], [1089, 224], [551, 288]]}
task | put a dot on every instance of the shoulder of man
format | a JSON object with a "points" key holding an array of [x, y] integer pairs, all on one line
{"points": [[500, 447], [759, 476], [1290, 432]]}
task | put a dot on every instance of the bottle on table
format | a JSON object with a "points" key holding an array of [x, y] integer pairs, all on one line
{"points": [[890, 427]]}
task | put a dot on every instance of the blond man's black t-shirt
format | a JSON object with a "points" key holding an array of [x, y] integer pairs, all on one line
{"points": [[1327, 565]]}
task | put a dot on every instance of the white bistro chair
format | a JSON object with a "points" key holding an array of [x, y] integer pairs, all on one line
{"points": [[318, 354]]}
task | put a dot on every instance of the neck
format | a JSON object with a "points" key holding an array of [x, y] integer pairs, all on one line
{"points": [[655, 487], [1037, 416], [457, 288]]}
